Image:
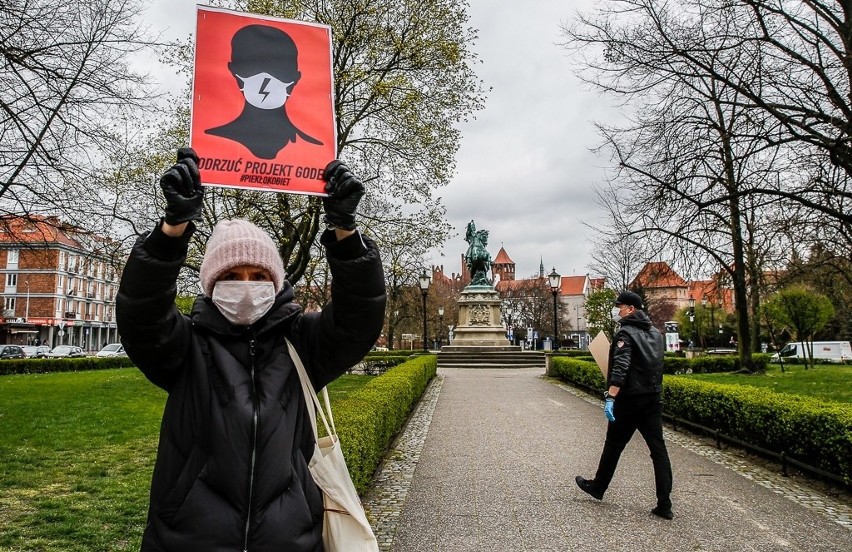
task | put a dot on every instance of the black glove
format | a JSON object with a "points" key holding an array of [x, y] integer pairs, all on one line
{"points": [[182, 188], [344, 191]]}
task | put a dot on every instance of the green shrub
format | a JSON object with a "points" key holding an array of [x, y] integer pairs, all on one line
{"points": [[815, 432], [369, 418], [677, 365], [711, 364], [573, 353], [583, 372], [47, 365], [761, 361]]}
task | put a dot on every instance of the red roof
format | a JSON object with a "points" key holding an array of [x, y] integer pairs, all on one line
{"points": [[512, 285], [36, 229], [597, 284], [658, 275], [503, 257], [709, 289], [573, 285]]}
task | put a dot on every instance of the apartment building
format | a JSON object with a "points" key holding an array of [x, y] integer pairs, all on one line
{"points": [[58, 284]]}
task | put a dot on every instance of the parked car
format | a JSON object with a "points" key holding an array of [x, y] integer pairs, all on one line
{"points": [[12, 351], [112, 350], [66, 351], [36, 351]]}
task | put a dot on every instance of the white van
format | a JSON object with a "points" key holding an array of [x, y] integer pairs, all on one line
{"points": [[834, 351]]}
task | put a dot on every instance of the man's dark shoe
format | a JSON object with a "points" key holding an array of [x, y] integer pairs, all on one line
{"points": [[665, 513], [589, 487]]}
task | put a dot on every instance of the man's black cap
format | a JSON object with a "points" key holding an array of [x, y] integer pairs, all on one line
{"points": [[628, 298]]}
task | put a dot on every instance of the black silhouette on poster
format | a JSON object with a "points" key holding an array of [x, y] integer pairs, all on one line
{"points": [[264, 64]]}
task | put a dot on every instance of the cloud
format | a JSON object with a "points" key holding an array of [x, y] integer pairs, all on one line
{"points": [[524, 169], [525, 172]]}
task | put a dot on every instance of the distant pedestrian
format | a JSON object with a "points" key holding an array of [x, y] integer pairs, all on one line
{"points": [[634, 401]]}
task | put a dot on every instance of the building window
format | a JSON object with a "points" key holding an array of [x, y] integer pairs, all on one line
{"points": [[11, 280], [12, 258], [9, 304]]}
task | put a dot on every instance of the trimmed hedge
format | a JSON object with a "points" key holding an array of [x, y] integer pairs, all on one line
{"points": [[368, 419], [581, 372], [47, 365], [572, 353], [815, 432], [709, 364]]}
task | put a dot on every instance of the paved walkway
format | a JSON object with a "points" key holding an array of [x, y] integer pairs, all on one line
{"points": [[488, 460]]}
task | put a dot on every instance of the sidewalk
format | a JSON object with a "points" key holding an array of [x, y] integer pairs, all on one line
{"points": [[492, 469]]}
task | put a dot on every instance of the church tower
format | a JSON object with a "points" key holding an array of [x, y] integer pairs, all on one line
{"points": [[503, 266]]}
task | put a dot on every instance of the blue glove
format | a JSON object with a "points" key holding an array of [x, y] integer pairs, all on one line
{"points": [[608, 406]]}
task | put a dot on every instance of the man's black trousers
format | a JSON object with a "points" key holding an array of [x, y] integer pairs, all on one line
{"points": [[643, 413]]}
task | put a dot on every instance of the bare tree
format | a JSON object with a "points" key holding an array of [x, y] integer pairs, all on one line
{"points": [[402, 80], [65, 88], [529, 304], [617, 255], [695, 163]]}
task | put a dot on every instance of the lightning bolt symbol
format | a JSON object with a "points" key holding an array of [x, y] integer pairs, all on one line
{"points": [[262, 90]]}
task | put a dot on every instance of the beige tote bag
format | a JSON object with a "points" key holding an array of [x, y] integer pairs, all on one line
{"points": [[345, 525]]}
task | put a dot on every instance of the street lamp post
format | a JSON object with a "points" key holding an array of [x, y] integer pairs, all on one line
{"points": [[441, 326], [555, 281], [394, 324], [712, 323], [579, 334], [424, 280], [692, 321]]}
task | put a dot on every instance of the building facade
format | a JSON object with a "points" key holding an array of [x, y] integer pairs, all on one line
{"points": [[58, 284]]}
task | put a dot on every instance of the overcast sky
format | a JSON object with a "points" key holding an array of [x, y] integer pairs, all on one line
{"points": [[525, 172]]}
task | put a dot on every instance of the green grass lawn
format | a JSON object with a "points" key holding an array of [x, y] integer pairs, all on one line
{"points": [[76, 455], [824, 381]]}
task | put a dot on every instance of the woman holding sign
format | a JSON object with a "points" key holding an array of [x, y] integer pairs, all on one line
{"points": [[232, 463]]}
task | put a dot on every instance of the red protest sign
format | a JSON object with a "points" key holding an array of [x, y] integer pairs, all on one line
{"points": [[262, 104]]}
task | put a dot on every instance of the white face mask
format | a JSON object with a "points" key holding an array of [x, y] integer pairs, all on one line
{"points": [[265, 91], [615, 314], [243, 303]]}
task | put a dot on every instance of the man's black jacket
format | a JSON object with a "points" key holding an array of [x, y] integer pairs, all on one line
{"points": [[636, 356], [232, 464]]}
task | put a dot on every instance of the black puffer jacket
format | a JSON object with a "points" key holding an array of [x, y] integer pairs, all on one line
{"points": [[231, 471], [636, 356]]}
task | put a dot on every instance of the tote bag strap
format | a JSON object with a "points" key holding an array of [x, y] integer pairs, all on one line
{"points": [[311, 399]]}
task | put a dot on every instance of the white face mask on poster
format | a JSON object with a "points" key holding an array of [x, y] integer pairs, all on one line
{"points": [[265, 91], [615, 314], [243, 303]]}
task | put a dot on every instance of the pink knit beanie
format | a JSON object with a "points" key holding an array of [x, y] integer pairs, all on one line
{"points": [[235, 243]]}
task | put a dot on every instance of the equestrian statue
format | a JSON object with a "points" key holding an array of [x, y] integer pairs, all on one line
{"points": [[478, 260]]}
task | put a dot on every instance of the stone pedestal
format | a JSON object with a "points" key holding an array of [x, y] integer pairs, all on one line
{"points": [[479, 321]]}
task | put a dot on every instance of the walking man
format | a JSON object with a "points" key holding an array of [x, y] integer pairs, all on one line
{"points": [[634, 401]]}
